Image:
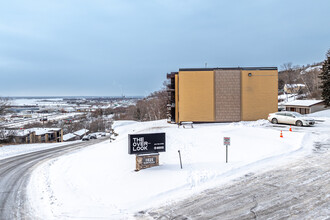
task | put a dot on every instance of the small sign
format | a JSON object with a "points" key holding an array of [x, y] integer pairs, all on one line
{"points": [[144, 161], [148, 160], [226, 141], [146, 143]]}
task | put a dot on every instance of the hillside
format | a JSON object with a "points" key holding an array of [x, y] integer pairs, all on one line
{"points": [[295, 76]]}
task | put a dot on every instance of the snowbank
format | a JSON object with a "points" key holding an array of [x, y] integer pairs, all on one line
{"points": [[324, 113]]}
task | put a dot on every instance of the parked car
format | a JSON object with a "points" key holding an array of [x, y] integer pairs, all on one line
{"points": [[287, 117], [43, 119], [86, 138], [92, 136]]}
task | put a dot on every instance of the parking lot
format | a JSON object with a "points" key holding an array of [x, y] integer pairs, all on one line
{"points": [[296, 189], [299, 189]]}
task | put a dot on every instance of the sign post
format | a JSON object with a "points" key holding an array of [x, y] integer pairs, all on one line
{"points": [[180, 158], [110, 128], [226, 153], [226, 141]]}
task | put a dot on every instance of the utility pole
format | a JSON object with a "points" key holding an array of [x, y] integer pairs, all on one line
{"points": [[110, 129]]}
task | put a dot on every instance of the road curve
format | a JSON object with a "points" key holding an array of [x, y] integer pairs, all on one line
{"points": [[14, 175], [299, 189]]}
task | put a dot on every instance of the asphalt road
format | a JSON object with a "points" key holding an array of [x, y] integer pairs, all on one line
{"points": [[14, 175], [299, 189]]}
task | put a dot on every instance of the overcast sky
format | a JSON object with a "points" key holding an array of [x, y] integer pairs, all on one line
{"points": [[110, 48]]}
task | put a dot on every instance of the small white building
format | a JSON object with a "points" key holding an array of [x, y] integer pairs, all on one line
{"points": [[81, 133], [305, 106], [70, 137]]}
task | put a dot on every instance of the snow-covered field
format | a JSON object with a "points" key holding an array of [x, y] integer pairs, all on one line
{"points": [[100, 181], [37, 101]]}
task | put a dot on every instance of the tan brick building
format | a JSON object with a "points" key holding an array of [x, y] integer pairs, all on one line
{"points": [[33, 135], [222, 94]]}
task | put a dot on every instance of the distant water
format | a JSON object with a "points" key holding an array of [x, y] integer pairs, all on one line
{"points": [[58, 100], [74, 97]]}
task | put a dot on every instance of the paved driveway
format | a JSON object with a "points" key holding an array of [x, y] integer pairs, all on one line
{"points": [[299, 189]]}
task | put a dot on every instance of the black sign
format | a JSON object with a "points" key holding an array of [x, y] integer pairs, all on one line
{"points": [[146, 143]]}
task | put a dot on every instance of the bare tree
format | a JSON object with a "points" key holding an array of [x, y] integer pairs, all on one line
{"points": [[4, 104], [153, 107], [312, 82], [289, 73], [150, 108]]}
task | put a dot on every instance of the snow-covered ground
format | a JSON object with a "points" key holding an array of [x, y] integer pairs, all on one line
{"points": [[37, 101], [309, 69], [16, 123], [323, 114], [100, 181]]}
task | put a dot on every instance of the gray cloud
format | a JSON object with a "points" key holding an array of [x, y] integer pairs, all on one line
{"points": [[113, 47]]}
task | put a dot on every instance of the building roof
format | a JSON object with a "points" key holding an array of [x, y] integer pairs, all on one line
{"points": [[306, 103], [25, 132], [68, 136], [228, 68], [42, 131], [16, 133], [81, 132]]}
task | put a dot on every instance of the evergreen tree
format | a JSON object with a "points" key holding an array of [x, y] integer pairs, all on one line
{"points": [[325, 79]]}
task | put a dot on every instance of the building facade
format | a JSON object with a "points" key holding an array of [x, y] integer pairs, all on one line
{"points": [[305, 106], [222, 94], [293, 88], [34, 135]]}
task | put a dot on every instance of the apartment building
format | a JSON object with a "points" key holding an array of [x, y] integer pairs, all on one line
{"points": [[222, 94]]}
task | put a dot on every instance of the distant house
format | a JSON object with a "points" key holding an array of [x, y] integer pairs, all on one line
{"points": [[68, 120], [81, 133], [305, 106], [17, 136], [31, 135], [70, 137], [47, 135], [70, 109], [293, 88]]}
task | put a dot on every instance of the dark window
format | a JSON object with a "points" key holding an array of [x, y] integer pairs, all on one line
{"points": [[302, 111]]}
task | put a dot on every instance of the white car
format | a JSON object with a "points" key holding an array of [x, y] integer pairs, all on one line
{"points": [[293, 118], [86, 138]]}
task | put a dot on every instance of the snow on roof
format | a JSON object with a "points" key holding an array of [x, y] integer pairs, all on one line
{"points": [[24, 132], [303, 102], [294, 85], [18, 133], [68, 136], [81, 132], [41, 131]]}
